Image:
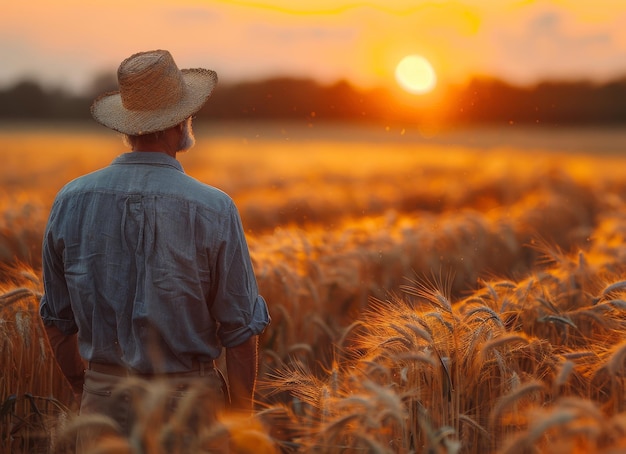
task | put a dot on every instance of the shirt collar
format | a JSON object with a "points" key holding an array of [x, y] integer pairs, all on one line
{"points": [[148, 158]]}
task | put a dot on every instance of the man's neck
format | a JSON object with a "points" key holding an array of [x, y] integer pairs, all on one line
{"points": [[167, 142]]}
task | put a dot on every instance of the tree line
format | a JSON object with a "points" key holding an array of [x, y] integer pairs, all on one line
{"points": [[482, 100]]}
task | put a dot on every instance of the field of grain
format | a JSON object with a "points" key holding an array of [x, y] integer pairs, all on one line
{"points": [[430, 291]]}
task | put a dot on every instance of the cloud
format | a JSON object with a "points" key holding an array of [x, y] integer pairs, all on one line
{"points": [[546, 42], [186, 15], [544, 23], [288, 35]]}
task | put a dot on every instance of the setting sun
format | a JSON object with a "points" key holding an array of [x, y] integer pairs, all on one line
{"points": [[416, 75]]}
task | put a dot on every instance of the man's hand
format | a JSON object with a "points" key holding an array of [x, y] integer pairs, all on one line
{"points": [[65, 349], [241, 365]]}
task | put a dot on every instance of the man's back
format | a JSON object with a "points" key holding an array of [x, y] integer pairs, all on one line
{"points": [[156, 267]]}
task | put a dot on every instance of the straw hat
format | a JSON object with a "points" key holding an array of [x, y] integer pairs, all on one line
{"points": [[153, 95]]}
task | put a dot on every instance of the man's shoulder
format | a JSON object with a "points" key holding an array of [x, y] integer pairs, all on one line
{"points": [[177, 186], [206, 196], [81, 182]]}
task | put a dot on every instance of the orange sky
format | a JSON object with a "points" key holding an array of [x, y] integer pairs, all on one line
{"points": [[67, 42]]}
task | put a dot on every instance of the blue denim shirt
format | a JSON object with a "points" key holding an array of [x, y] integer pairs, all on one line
{"points": [[150, 267]]}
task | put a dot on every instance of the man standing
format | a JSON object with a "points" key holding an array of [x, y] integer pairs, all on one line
{"points": [[146, 270]]}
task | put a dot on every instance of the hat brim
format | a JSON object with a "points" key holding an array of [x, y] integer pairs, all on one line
{"points": [[109, 111]]}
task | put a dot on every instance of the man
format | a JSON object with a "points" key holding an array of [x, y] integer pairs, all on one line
{"points": [[146, 270]]}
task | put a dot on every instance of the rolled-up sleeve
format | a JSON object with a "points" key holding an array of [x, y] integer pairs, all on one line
{"points": [[237, 306], [55, 308]]}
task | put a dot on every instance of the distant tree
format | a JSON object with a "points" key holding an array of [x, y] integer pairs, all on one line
{"points": [[26, 99], [549, 103], [102, 83], [482, 100]]}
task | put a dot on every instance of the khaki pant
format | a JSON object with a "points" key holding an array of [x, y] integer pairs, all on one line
{"points": [[161, 414]]}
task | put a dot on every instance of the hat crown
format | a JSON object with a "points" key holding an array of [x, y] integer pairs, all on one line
{"points": [[150, 81]]}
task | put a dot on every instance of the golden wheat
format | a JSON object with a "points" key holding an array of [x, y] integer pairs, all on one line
{"points": [[507, 336]]}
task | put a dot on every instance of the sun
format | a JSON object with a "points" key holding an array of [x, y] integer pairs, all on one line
{"points": [[416, 75]]}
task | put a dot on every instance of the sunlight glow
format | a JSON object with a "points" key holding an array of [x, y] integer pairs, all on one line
{"points": [[416, 75]]}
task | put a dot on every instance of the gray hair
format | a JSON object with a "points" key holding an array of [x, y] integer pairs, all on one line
{"points": [[131, 140]]}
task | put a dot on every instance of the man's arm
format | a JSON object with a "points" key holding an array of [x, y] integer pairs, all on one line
{"points": [[56, 311], [65, 349], [241, 366]]}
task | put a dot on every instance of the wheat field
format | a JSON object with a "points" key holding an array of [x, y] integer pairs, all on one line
{"points": [[459, 293]]}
